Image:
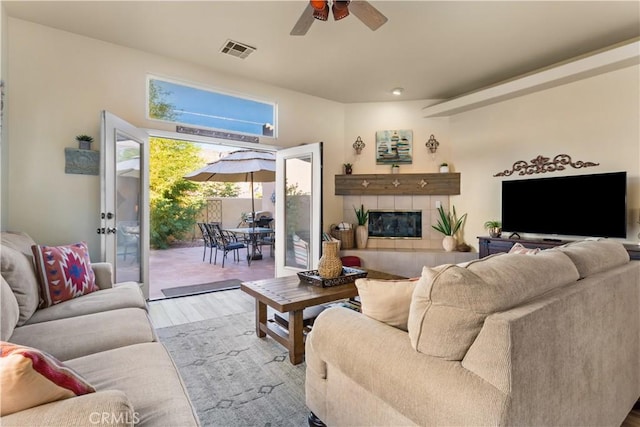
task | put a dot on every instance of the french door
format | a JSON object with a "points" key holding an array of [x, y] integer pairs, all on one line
{"points": [[298, 208], [124, 213]]}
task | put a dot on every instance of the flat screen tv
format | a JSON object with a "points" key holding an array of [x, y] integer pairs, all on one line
{"points": [[581, 205]]}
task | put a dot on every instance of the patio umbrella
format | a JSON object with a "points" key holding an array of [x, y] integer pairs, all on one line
{"points": [[239, 166]]}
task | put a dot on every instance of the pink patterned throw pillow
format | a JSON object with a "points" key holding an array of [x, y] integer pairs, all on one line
{"points": [[520, 249], [64, 272], [30, 377]]}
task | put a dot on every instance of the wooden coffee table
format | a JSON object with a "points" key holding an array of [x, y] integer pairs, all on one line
{"points": [[288, 294]]}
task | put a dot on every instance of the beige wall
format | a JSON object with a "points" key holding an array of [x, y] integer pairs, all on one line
{"points": [[364, 119], [60, 82], [596, 119], [4, 162]]}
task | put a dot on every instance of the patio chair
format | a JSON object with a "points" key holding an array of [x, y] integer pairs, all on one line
{"points": [[128, 235], [226, 242], [209, 241]]}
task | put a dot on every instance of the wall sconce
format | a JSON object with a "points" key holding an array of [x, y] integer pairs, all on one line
{"points": [[432, 144], [358, 145]]}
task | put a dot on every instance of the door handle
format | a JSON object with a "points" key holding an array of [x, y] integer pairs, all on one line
{"points": [[111, 230], [100, 230]]}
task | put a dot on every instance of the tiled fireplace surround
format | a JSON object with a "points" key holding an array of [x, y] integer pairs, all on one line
{"points": [[405, 257]]}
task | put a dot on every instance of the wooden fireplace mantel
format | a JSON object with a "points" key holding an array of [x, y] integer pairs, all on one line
{"points": [[395, 184]]}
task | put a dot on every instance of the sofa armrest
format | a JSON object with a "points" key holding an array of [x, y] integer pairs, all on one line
{"points": [[104, 274], [346, 347], [109, 407]]}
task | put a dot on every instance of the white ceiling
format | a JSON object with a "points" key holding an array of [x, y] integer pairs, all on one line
{"points": [[433, 49]]}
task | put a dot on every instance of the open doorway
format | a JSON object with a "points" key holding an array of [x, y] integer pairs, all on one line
{"points": [[180, 260]]}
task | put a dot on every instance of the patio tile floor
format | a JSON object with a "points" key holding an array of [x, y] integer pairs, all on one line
{"points": [[169, 268]]}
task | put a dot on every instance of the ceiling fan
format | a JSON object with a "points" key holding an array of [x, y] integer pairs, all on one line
{"points": [[319, 9]]}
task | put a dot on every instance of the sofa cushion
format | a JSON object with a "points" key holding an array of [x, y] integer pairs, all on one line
{"points": [[147, 375], [386, 301], [17, 270], [19, 241], [64, 272], [78, 336], [591, 256], [10, 310], [31, 377], [126, 295], [450, 302], [85, 410]]}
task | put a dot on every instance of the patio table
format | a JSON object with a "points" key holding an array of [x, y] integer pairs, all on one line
{"points": [[252, 234]]}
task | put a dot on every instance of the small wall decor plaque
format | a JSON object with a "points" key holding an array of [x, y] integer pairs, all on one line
{"points": [[83, 162], [394, 147], [542, 164]]}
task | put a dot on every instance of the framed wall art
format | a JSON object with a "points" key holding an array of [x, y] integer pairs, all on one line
{"points": [[394, 147]]}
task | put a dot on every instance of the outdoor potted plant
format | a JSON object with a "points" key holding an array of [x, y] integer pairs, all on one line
{"points": [[444, 167], [494, 228], [449, 224], [362, 230], [395, 168], [84, 141], [348, 168]]}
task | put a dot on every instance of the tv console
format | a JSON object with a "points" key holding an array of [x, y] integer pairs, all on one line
{"points": [[493, 245]]}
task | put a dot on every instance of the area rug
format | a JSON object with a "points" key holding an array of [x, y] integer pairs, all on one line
{"points": [[235, 378], [203, 288]]}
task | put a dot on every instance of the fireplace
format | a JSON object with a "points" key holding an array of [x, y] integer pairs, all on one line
{"points": [[395, 224]]}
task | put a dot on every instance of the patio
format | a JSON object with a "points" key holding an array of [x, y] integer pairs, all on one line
{"points": [[183, 266]]}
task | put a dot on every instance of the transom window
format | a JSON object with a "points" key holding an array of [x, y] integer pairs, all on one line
{"points": [[205, 108]]}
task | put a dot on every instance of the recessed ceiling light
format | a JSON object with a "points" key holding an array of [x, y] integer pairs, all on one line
{"points": [[397, 91]]}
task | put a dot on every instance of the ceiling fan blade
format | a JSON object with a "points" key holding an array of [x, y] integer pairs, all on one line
{"points": [[304, 22], [369, 15]]}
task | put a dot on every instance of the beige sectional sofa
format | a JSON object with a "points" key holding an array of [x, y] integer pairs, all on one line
{"points": [[513, 339], [105, 336]]}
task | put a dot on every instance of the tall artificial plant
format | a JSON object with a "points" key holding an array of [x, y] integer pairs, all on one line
{"points": [[361, 215], [449, 223]]}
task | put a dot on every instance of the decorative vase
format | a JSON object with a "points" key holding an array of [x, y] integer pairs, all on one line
{"points": [[329, 265], [362, 236], [449, 243], [444, 169], [395, 169], [495, 231], [348, 170]]}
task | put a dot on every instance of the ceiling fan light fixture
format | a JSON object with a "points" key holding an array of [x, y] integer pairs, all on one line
{"points": [[340, 9], [320, 9], [397, 91]]}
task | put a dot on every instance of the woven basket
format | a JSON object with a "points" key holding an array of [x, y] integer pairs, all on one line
{"points": [[346, 237]]}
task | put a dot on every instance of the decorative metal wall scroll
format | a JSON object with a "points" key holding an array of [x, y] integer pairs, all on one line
{"points": [[542, 164]]}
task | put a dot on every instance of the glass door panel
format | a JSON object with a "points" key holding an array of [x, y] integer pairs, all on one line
{"points": [[299, 208], [128, 196], [125, 200]]}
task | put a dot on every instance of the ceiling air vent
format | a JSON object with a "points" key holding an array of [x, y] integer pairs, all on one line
{"points": [[237, 49]]}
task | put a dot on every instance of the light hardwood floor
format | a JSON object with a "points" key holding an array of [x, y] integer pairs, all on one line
{"points": [[176, 311]]}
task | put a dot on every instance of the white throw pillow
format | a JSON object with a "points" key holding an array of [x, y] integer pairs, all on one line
{"points": [[386, 301]]}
